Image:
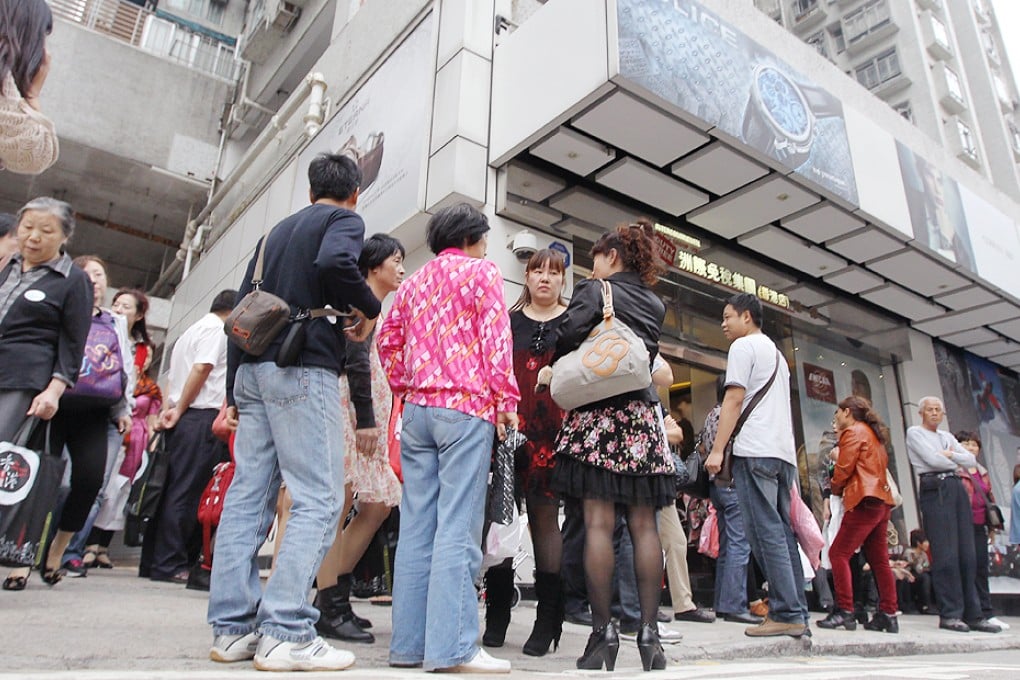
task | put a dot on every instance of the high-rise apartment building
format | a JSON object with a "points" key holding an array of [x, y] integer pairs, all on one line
{"points": [[939, 63]]}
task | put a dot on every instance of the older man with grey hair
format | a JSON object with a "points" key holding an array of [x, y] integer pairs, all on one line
{"points": [[946, 516]]}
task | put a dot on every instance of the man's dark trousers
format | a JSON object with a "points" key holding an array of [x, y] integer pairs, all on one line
{"points": [[193, 452]]}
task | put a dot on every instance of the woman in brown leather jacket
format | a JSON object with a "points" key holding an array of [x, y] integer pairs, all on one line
{"points": [[860, 477]]}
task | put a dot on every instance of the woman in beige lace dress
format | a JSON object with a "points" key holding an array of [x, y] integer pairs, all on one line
{"points": [[28, 141], [367, 401]]}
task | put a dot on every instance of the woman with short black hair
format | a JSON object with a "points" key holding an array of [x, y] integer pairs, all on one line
{"points": [[447, 350]]}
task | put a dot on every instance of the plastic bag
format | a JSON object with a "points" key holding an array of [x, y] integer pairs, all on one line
{"points": [[708, 543], [503, 541]]}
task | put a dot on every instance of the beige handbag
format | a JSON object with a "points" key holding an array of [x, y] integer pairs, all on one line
{"points": [[612, 360]]}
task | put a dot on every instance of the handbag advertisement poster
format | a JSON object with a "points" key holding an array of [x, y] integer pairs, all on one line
{"points": [[681, 51]]}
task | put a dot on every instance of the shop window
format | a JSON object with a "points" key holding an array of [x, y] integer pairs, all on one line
{"points": [[966, 139], [868, 19], [881, 69], [954, 85]]}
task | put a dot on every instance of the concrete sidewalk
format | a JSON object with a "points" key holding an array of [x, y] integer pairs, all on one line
{"points": [[113, 622]]}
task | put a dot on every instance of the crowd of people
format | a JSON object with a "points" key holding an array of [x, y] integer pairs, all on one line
{"points": [[455, 369]]}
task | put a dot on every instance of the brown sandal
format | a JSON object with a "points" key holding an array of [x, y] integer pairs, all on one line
{"points": [[53, 576], [16, 582], [103, 560]]}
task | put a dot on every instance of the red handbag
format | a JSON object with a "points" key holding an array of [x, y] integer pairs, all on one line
{"points": [[393, 437], [220, 429]]}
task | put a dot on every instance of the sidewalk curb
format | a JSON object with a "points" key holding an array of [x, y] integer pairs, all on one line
{"points": [[812, 647]]}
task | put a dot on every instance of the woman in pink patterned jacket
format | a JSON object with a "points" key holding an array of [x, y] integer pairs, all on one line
{"points": [[447, 350]]}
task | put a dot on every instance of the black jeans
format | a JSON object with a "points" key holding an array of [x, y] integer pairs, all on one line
{"points": [[946, 516], [981, 566]]}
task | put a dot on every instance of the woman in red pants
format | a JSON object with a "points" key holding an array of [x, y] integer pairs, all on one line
{"points": [[860, 477]]}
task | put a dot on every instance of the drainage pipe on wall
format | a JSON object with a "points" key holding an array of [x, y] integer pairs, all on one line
{"points": [[315, 85]]}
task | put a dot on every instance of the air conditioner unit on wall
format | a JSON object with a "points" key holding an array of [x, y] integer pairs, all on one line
{"points": [[286, 16]]}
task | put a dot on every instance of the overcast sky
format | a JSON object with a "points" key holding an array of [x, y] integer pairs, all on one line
{"points": [[1007, 14]]}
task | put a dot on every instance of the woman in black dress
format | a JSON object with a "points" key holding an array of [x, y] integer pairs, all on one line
{"points": [[611, 452], [534, 320]]}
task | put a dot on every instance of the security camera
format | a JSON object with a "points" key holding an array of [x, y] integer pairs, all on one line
{"points": [[524, 245]]}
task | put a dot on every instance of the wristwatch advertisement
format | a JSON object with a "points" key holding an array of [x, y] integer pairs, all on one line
{"points": [[781, 115], [686, 54]]}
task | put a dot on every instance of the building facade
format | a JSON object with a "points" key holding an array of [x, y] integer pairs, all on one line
{"points": [[884, 260], [939, 63]]}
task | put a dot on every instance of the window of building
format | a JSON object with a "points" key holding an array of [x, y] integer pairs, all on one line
{"points": [[837, 38], [904, 109], [817, 41], [1014, 136], [954, 85], [868, 19], [1001, 88], [802, 7], [966, 139], [211, 11], [939, 32], [882, 68]]}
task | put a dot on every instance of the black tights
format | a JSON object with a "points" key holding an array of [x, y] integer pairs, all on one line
{"points": [[599, 520], [544, 525]]}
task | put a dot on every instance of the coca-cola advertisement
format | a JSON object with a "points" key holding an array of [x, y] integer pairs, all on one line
{"points": [[819, 383]]}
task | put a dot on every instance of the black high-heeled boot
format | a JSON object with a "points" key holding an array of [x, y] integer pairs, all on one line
{"points": [[336, 616], [499, 592], [603, 646], [549, 615], [839, 617], [883, 622], [650, 648]]}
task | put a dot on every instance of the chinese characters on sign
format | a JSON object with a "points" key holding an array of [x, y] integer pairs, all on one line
{"points": [[699, 266]]}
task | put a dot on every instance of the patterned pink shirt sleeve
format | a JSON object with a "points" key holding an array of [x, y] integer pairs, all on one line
{"points": [[447, 340]]}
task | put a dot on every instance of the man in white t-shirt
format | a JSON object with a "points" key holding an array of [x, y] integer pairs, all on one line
{"points": [[196, 387], [764, 462]]}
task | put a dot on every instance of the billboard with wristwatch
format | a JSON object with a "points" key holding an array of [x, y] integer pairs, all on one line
{"points": [[682, 52]]}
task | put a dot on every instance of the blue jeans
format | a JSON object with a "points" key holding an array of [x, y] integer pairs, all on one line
{"points": [[289, 430], [445, 457], [763, 489], [734, 552]]}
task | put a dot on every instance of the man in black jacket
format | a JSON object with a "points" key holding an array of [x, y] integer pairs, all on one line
{"points": [[289, 430]]}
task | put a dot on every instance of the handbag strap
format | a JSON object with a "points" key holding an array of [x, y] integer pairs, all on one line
{"points": [[27, 429], [756, 399], [317, 313], [979, 487], [608, 311], [260, 261]]}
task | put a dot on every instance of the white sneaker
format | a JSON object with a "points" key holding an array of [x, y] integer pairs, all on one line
{"points": [[480, 663], [996, 622], [315, 655], [229, 648], [668, 636]]}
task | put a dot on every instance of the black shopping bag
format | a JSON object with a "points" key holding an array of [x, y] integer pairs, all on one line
{"points": [[29, 483], [146, 492], [500, 503]]}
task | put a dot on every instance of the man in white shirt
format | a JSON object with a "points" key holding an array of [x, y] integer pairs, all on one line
{"points": [[764, 462], [195, 392], [946, 519]]}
